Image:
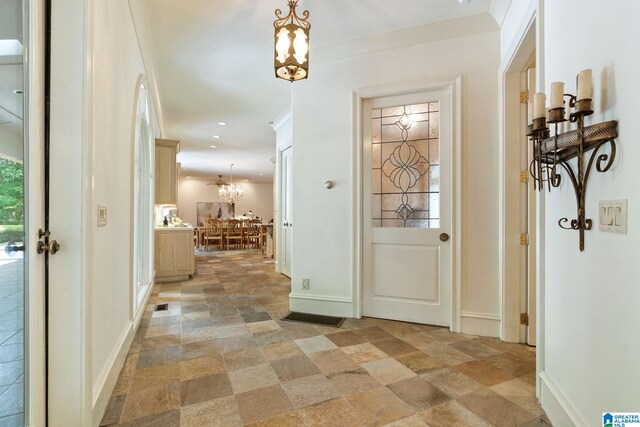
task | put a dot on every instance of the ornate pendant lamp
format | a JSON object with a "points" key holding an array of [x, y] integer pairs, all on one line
{"points": [[292, 44], [230, 193]]}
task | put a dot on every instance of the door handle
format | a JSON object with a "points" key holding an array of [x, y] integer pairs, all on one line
{"points": [[53, 247], [12, 248], [444, 237]]}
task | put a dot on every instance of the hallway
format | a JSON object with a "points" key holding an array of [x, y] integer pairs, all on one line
{"points": [[219, 356]]}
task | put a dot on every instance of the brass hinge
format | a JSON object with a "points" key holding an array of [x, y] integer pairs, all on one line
{"points": [[524, 97], [524, 319], [524, 177], [524, 239]]}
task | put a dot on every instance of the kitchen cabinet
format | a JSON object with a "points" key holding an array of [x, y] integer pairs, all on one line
{"points": [[174, 253], [166, 174]]}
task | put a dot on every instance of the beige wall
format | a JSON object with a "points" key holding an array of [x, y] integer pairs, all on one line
{"points": [[257, 197], [323, 132]]}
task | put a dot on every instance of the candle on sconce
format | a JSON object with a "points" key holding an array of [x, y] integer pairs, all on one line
{"points": [[539, 102], [557, 94], [585, 85], [530, 112]]}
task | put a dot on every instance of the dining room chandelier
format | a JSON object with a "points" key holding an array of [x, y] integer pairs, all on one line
{"points": [[230, 193], [291, 59]]}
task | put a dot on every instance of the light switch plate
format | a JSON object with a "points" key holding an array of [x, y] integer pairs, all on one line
{"points": [[612, 217], [102, 216]]}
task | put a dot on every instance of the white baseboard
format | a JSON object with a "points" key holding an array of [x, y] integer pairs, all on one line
{"points": [[320, 304], [558, 408], [108, 378], [486, 325]]}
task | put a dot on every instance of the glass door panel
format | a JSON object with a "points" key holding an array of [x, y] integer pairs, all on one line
{"points": [[12, 208]]}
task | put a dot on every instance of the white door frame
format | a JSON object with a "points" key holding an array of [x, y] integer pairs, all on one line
{"points": [[35, 357], [453, 85], [532, 20]]}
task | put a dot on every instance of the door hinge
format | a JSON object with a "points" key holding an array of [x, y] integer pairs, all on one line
{"points": [[524, 177], [524, 97], [524, 319], [524, 239]]}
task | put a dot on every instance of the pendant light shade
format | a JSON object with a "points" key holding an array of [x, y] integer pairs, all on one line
{"points": [[291, 58]]}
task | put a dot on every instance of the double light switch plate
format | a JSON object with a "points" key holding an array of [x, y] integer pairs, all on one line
{"points": [[612, 217]]}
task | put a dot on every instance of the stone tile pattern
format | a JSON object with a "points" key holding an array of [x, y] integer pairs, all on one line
{"points": [[11, 340], [221, 356]]}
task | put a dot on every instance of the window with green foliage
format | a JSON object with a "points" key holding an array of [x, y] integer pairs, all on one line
{"points": [[11, 201]]}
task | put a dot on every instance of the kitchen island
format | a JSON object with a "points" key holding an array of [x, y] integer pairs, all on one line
{"points": [[174, 253]]}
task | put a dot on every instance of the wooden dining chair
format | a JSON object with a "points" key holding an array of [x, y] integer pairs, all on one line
{"points": [[213, 233], [252, 233], [234, 232]]}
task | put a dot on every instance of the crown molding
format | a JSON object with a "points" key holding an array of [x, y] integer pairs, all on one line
{"points": [[461, 27]]}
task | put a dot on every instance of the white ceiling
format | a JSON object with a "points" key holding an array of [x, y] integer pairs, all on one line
{"points": [[213, 61]]}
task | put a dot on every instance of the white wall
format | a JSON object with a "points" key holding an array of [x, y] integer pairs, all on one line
{"points": [[257, 197], [592, 298], [323, 138], [517, 12], [117, 64]]}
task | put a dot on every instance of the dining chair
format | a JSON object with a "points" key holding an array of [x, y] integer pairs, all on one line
{"points": [[213, 233], [234, 232]]}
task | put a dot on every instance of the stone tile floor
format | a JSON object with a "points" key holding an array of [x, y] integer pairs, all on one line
{"points": [[220, 356], [11, 340]]}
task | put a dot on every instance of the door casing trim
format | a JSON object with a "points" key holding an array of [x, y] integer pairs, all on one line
{"points": [[453, 84]]}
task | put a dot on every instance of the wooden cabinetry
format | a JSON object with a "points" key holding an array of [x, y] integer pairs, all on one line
{"points": [[166, 172], [174, 253]]}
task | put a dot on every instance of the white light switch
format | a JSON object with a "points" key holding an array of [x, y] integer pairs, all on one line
{"points": [[613, 216], [102, 216]]}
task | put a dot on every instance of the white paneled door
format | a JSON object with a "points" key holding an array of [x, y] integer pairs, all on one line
{"points": [[287, 217], [407, 207]]}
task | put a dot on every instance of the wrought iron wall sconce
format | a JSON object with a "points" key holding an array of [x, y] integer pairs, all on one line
{"points": [[552, 151]]}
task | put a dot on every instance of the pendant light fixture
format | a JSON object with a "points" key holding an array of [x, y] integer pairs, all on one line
{"points": [[292, 44], [230, 193]]}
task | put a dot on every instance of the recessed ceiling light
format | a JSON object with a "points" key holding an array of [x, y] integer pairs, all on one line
{"points": [[222, 123], [18, 92], [216, 136], [213, 146], [261, 174]]}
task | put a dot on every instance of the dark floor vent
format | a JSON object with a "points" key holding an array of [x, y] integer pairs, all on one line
{"points": [[162, 307], [317, 319]]}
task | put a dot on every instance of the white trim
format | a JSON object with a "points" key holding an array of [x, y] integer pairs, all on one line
{"points": [[34, 330], [109, 376], [445, 30], [454, 85], [318, 304], [285, 115], [484, 316], [540, 220], [499, 10], [510, 326], [555, 403], [482, 324]]}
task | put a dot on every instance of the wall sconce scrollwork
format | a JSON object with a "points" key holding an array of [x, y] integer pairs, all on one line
{"points": [[553, 151]]}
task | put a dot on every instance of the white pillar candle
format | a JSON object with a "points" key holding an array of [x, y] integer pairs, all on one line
{"points": [[539, 101], [557, 95], [530, 112], [585, 85]]}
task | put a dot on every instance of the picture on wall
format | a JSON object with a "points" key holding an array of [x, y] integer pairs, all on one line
{"points": [[218, 210]]}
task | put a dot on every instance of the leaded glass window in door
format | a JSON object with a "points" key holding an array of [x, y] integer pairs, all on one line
{"points": [[405, 166]]}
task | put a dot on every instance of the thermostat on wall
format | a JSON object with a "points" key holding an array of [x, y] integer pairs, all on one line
{"points": [[102, 216]]}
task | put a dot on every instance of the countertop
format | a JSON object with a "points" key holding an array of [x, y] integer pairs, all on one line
{"points": [[175, 228]]}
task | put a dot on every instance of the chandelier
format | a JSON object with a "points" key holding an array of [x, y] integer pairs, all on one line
{"points": [[230, 193], [292, 44]]}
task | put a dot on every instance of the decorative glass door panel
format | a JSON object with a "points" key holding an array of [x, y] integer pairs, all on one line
{"points": [[405, 160], [406, 187]]}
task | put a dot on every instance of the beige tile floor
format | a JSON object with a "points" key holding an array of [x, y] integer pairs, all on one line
{"points": [[220, 356], [11, 340]]}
